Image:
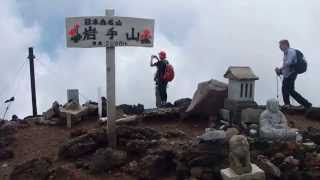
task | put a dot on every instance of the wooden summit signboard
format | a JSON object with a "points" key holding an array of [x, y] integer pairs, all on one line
{"points": [[102, 31], [109, 31]]}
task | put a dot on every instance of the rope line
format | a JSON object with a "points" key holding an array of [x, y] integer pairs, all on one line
{"points": [[21, 67]]}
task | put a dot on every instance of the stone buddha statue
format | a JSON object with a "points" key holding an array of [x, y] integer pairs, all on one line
{"points": [[273, 123]]}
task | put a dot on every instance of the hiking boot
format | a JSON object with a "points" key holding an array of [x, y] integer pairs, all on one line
{"points": [[287, 106], [300, 107], [162, 104], [308, 110]]}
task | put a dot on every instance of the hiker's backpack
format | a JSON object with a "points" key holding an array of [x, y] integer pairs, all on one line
{"points": [[301, 65], [169, 73]]}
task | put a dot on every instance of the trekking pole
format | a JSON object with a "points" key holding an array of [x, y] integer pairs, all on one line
{"points": [[277, 87]]}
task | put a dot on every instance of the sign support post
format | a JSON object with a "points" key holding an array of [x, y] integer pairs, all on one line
{"points": [[111, 94]]}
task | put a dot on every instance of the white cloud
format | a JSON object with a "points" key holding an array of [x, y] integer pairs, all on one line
{"points": [[15, 42], [202, 38]]}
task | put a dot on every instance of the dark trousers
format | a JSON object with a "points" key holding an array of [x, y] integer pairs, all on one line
{"points": [[162, 88], [288, 90]]}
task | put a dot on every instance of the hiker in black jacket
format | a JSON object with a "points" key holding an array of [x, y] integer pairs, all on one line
{"points": [[161, 84]]}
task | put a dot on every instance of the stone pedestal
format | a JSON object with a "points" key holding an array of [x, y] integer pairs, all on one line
{"points": [[235, 108], [256, 174]]}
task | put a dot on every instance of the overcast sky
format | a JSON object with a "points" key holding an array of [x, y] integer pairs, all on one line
{"points": [[201, 37]]}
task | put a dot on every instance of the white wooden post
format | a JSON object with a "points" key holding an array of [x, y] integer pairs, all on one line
{"points": [[99, 100], [69, 120], [111, 94]]}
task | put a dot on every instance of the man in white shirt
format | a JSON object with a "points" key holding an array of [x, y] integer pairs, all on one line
{"points": [[290, 76]]}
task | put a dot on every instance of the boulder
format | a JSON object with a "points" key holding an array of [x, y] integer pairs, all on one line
{"points": [[130, 132], [314, 113], [77, 147], [77, 133], [131, 109], [278, 158], [6, 141], [129, 120], [213, 135], [224, 114], [100, 136], [72, 105], [312, 175], [183, 103], [206, 160], [291, 161], [107, 159], [139, 146], [313, 134], [165, 113], [35, 169], [131, 167], [62, 173], [207, 175], [84, 144], [82, 163], [54, 111], [182, 171], [8, 129], [268, 167], [250, 116], [208, 98], [92, 108], [175, 133], [2, 122], [196, 153], [196, 172], [6, 154], [154, 166]]}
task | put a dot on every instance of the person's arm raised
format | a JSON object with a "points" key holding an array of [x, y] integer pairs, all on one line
{"points": [[151, 63]]}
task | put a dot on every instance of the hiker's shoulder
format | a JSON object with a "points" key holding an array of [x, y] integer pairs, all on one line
{"points": [[292, 50]]}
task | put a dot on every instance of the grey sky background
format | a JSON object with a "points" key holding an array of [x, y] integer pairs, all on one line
{"points": [[202, 38]]}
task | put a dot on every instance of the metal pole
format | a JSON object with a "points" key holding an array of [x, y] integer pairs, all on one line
{"points": [[111, 104], [31, 57]]}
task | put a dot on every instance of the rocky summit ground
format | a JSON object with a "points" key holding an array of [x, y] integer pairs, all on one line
{"points": [[157, 148], [34, 141]]}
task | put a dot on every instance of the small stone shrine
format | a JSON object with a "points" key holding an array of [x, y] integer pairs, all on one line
{"points": [[241, 91]]}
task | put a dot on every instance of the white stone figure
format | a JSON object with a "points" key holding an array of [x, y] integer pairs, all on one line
{"points": [[239, 155], [273, 123], [239, 159]]}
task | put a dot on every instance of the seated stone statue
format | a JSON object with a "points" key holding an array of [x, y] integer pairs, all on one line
{"points": [[273, 123], [239, 156]]}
